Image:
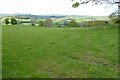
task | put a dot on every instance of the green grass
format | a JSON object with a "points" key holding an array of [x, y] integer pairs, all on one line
{"points": [[0, 52], [35, 52]]}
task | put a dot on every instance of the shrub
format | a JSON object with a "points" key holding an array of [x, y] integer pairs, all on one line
{"points": [[48, 23], [32, 24], [7, 21], [40, 23], [24, 21], [115, 17], [85, 24], [65, 22], [98, 23], [57, 24], [72, 23], [13, 21], [117, 21]]}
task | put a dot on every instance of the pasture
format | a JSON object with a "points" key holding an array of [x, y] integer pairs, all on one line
{"points": [[39, 52]]}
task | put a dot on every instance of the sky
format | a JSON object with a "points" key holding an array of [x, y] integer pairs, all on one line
{"points": [[43, 7]]}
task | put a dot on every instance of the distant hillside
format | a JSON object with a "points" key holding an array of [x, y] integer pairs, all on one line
{"points": [[82, 17], [33, 16], [2, 15]]}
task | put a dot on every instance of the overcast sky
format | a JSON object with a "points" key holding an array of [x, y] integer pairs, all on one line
{"points": [[42, 7]]}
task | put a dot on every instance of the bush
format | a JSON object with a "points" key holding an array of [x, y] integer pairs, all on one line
{"points": [[93, 23], [57, 24], [65, 22], [24, 21], [84, 24], [40, 23], [98, 23], [117, 21], [115, 17], [7, 21], [32, 24], [72, 23], [13, 21], [48, 23]]}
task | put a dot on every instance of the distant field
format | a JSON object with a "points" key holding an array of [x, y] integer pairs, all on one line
{"points": [[35, 52]]}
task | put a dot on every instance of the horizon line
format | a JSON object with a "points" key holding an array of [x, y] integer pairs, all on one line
{"points": [[52, 14]]}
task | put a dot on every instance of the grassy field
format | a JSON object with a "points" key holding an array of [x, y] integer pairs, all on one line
{"points": [[0, 52], [35, 52]]}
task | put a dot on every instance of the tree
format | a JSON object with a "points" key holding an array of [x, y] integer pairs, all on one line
{"points": [[33, 21], [114, 17], [108, 2], [57, 24], [65, 22], [40, 23], [99, 2], [75, 5], [48, 23], [13, 21], [72, 23], [7, 21]]}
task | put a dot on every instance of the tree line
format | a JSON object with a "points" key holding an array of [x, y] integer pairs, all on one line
{"points": [[45, 23], [65, 23]]}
